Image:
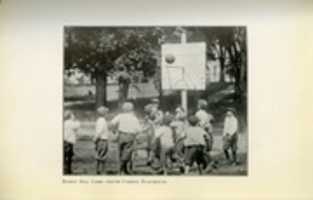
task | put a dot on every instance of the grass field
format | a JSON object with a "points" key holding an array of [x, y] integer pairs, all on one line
{"points": [[84, 162], [77, 91]]}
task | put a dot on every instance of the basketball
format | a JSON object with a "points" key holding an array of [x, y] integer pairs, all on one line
{"points": [[170, 58]]}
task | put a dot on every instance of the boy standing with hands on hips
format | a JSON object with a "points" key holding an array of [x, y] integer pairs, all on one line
{"points": [[230, 135], [101, 139]]}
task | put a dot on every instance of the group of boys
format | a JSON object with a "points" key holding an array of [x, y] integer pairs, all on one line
{"points": [[172, 138]]}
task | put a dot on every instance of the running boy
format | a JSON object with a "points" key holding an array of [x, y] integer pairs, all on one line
{"points": [[195, 145], [71, 126], [101, 139]]}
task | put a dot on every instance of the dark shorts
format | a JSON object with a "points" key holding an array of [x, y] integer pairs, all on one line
{"points": [[126, 141], [68, 150], [156, 147], [195, 153], [102, 147], [166, 153], [179, 147], [209, 140], [230, 142]]}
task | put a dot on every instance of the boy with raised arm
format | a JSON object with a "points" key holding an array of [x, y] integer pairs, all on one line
{"points": [[127, 126], [205, 121]]}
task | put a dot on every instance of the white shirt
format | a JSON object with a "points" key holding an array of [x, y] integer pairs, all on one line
{"points": [[127, 122], [70, 130], [158, 114], [179, 127], [230, 125], [102, 131], [166, 136], [195, 136], [205, 119]]}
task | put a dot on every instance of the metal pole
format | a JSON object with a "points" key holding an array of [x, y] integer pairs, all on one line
{"points": [[184, 94]]}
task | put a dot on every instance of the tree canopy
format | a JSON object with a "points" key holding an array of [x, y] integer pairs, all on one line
{"points": [[105, 50]]}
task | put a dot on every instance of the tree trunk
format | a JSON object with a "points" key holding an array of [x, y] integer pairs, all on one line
{"points": [[101, 87], [160, 92], [237, 84], [123, 92], [244, 71], [161, 96], [243, 86], [222, 75]]}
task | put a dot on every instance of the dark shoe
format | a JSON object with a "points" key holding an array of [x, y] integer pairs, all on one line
{"points": [[235, 163], [149, 163], [160, 172], [215, 164], [182, 169], [226, 162]]}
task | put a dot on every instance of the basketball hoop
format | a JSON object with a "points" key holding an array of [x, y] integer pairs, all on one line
{"points": [[177, 79]]}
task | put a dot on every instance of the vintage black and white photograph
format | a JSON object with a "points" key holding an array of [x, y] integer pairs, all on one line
{"points": [[155, 100]]}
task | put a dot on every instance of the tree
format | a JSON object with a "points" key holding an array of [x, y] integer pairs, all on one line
{"points": [[238, 58], [99, 52]]}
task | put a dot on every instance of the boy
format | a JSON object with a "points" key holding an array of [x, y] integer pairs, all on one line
{"points": [[179, 126], [127, 126], [230, 135], [133, 86], [71, 126], [165, 134], [205, 121], [195, 145], [101, 139], [154, 118], [149, 129], [156, 113]]}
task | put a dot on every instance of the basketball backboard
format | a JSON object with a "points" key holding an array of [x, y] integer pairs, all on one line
{"points": [[183, 66]]}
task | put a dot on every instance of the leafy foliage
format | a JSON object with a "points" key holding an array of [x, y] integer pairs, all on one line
{"points": [[98, 50]]}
